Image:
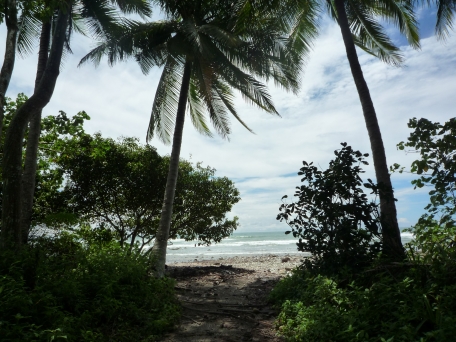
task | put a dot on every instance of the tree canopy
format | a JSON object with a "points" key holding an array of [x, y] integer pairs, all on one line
{"points": [[119, 185]]}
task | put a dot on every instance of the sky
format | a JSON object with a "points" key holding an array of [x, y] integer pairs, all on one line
{"points": [[312, 124]]}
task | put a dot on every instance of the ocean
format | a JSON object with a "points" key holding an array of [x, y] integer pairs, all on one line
{"points": [[240, 244]]}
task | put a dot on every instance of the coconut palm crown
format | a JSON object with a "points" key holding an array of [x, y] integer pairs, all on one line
{"points": [[223, 57]]}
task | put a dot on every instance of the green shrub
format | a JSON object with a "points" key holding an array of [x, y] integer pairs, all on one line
{"points": [[390, 309], [333, 218], [413, 301], [64, 288]]}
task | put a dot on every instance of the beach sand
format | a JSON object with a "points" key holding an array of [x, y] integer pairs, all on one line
{"points": [[226, 299]]}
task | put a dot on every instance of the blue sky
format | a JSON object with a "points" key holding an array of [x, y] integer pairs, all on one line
{"points": [[326, 112]]}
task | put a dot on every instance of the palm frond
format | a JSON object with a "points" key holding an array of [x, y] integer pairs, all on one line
{"points": [[29, 31], [445, 15], [246, 12], [197, 109], [285, 77], [369, 35], [164, 108], [144, 41], [401, 14], [264, 58], [252, 90], [140, 7], [154, 57], [205, 77], [243, 10], [305, 28], [68, 34], [99, 15], [96, 54], [227, 97], [224, 37], [219, 116], [189, 29], [331, 10], [78, 24]]}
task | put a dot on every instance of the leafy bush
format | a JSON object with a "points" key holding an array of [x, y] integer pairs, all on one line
{"points": [[65, 288], [333, 218], [389, 309]]}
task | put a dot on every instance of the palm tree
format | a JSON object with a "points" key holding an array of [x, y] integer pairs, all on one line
{"points": [[99, 16], [359, 27], [206, 49]]}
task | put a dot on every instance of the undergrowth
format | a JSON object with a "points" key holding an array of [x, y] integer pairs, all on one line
{"points": [[410, 301], [69, 289]]}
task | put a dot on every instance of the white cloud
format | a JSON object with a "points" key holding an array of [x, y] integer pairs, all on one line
{"points": [[326, 112]]}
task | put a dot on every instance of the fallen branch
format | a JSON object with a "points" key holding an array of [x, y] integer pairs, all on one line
{"points": [[221, 313]]}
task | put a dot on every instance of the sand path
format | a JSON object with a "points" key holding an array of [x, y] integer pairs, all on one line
{"points": [[226, 300]]}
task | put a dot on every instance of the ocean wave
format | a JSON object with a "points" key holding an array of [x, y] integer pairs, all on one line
{"points": [[240, 241], [239, 244]]}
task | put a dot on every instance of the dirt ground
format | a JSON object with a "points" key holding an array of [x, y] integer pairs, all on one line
{"points": [[226, 300]]}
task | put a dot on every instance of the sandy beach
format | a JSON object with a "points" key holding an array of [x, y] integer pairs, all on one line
{"points": [[226, 299]]}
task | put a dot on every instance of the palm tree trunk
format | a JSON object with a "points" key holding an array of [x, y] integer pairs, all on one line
{"points": [[11, 236], [10, 55], [31, 152], [161, 238], [392, 245]]}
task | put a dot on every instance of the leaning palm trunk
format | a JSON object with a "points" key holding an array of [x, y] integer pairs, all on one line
{"points": [[161, 239], [393, 248], [11, 235], [31, 152], [10, 55]]}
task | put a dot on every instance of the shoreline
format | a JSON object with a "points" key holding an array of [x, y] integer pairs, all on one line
{"points": [[272, 264]]}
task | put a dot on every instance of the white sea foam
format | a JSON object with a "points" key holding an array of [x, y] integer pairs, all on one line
{"points": [[408, 235], [238, 244]]}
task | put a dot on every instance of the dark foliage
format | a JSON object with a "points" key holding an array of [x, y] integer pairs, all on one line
{"points": [[80, 289], [333, 217]]}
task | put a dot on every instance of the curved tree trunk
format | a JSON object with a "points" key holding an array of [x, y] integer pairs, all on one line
{"points": [[392, 244], [161, 238], [10, 55], [11, 236], [31, 152]]}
